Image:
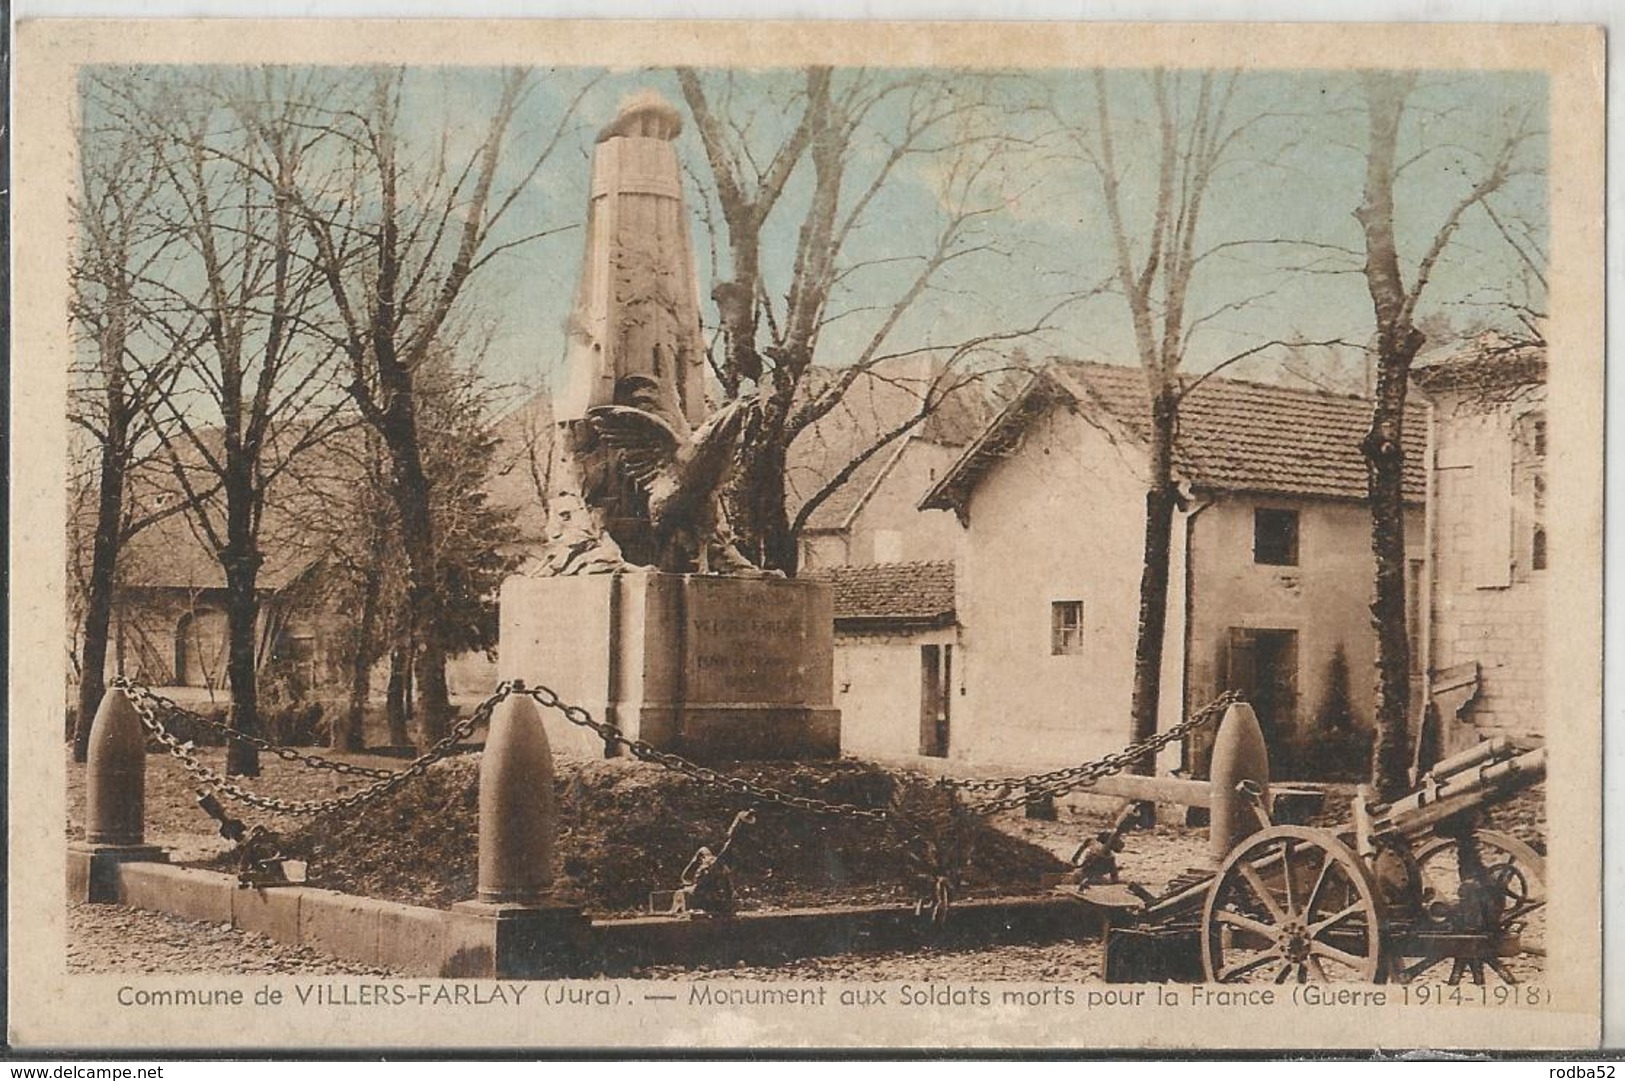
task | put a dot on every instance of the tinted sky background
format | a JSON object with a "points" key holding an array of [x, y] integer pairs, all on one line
{"points": [[1296, 174]]}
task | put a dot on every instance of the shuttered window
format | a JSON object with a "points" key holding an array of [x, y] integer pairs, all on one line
{"points": [[1066, 627]]}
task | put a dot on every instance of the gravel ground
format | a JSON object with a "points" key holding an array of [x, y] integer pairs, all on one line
{"points": [[112, 938], [1067, 962]]}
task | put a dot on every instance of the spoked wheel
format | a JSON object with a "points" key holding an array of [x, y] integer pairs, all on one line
{"points": [[1292, 904], [1516, 868]]}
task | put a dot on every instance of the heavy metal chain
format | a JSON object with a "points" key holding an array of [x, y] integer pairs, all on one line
{"points": [[613, 736], [173, 708], [147, 706], [1038, 786], [1021, 790], [1018, 791]]}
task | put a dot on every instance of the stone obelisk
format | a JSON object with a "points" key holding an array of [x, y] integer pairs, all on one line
{"points": [[715, 666], [637, 306]]}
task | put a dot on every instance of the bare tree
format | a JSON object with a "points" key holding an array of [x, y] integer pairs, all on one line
{"points": [[232, 306], [397, 244], [112, 397], [1398, 341], [1195, 128], [857, 132], [348, 508]]}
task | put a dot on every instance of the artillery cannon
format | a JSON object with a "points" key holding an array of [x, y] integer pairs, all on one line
{"points": [[1406, 886]]}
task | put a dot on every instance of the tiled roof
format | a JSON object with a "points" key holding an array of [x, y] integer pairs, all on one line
{"points": [[1485, 365], [303, 506], [1234, 436], [920, 593]]}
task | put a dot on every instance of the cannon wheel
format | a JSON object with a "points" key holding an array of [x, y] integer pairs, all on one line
{"points": [[1520, 869], [1296, 904]]}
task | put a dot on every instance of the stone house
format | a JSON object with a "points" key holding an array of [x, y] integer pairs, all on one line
{"points": [[168, 626], [1270, 577], [896, 657], [1483, 639], [873, 515], [891, 564]]}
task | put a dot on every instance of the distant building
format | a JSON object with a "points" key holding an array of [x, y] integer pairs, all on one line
{"points": [[1271, 569], [872, 513], [169, 626], [896, 657], [1485, 630]]}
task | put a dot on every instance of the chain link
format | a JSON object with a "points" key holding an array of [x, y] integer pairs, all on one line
{"points": [[613, 736], [1039, 786], [1017, 791], [1022, 790], [173, 708], [147, 704]]}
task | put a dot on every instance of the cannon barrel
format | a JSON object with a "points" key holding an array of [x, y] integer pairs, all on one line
{"points": [[1466, 789], [1494, 749]]}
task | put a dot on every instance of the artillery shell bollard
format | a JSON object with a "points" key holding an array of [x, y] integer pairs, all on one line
{"points": [[513, 928], [1239, 756], [115, 800]]}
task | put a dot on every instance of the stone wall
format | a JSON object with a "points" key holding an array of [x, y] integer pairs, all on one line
{"points": [[878, 686], [1488, 598], [1061, 520]]}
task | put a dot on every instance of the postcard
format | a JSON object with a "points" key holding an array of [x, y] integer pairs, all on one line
{"points": [[568, 534]]}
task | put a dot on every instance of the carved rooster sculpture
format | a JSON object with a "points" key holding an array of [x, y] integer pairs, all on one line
{"points": [[681, 471]]}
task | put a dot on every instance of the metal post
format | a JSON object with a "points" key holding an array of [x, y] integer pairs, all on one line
{"points": [[115, 774], [1239, 755], [115, 799], [517, 816]]}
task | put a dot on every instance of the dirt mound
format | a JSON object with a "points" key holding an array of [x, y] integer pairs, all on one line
{"points": [[628, 827]]}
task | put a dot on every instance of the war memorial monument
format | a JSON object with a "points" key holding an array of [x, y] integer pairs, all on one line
{"points": [[642, 610]]}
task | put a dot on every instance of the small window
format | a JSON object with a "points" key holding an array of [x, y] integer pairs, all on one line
{"points": [[1529, 490], [1537, 539], [1275, 537], [1066, 627]]}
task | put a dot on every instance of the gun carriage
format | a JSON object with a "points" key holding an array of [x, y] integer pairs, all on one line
{"points": [[1404, 887]]}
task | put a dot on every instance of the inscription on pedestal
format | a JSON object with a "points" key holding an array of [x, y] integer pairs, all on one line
{"points": [[746, 659], [715, 667]]}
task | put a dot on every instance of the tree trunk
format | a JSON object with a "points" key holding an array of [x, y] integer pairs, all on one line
{"points": [[242, 623], [434, 719], [99, 603], [351, 735], [1161, 497], [759, 516], [1384, 452], [1398, 342], [396, 705], [423, 594]]}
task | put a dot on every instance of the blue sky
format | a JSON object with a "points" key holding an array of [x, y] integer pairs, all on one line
{"points": [[1295, 175]]}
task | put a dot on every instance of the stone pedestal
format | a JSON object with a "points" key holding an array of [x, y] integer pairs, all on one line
{"points": [[707, 666], [513, 941], [93, 868]]}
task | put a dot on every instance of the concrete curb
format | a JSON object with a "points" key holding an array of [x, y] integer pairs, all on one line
{"points": [[419, 941], [408, 938]]}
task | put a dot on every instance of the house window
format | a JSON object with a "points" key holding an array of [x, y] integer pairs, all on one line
{"points": [[1065, 627], [1275, 537], [1413, 611], [1529, 486]]}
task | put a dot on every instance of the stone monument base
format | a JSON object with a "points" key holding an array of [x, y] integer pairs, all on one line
{"points": [[515, 942], [710, 667], [93, 868]]}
